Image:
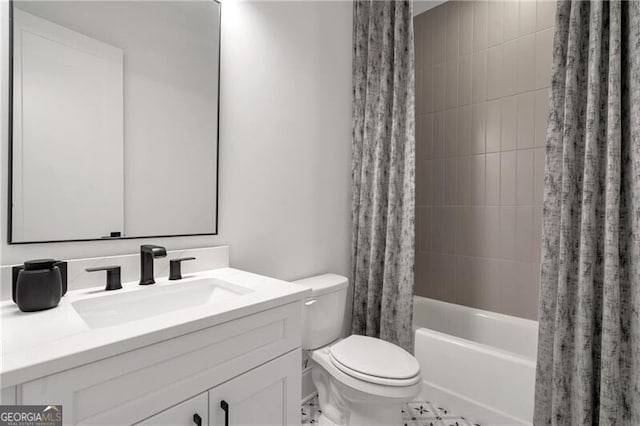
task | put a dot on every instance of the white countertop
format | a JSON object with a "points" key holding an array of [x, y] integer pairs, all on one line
{"points": [[37, 344]]}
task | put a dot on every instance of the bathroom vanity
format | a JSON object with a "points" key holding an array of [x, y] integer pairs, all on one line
{"points": [[220, 347]]}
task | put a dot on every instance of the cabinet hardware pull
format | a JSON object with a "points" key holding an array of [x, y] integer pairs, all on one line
{"points": [[197, 419], [225, 407]]}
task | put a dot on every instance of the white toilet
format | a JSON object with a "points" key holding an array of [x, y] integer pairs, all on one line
{"points": [[360, 380]]}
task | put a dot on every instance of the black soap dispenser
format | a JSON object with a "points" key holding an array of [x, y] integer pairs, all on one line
{"points": [[39, 284]]}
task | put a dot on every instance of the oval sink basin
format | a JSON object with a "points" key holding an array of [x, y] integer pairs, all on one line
{"points": [[154, 300]]}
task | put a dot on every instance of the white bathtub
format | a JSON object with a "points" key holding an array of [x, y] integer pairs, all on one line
{"points": [[476, 363]]}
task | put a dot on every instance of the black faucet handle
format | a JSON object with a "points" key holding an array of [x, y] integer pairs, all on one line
{"points": [[113, 276], [175, 272]]}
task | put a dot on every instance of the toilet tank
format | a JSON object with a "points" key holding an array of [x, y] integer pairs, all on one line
{"points": [[323, 312]]}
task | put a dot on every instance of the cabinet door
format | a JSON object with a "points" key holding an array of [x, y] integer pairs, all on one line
{"points": [[265, 396], [192, 412]]}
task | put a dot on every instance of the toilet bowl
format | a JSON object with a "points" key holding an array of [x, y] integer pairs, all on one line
{"points": [[354, 393], [360, 380]]}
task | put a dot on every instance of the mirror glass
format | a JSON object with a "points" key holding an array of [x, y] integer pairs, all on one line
{"points": [[114, 119]]}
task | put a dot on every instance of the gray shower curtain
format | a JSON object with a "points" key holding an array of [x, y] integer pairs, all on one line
{"points": [[383, 170], [588, 368]]}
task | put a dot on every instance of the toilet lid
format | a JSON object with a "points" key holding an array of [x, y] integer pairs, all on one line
{"points": [[368, 356]]}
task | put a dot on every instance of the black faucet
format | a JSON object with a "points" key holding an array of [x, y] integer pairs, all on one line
{"points": [[149, 252]]}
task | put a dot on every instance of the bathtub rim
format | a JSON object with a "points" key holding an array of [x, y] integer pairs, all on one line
{"points": [[474, 344], [481, 312]]}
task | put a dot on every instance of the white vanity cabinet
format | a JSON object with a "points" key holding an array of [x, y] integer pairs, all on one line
{"points": [[252, 363], [259, 397]]}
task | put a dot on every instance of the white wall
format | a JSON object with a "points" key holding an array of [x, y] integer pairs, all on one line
{"points": [[284, 143], [285, 136]]}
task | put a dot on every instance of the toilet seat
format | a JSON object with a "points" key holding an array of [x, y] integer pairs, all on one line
{"points": [[375, 361], [322, 359], [375, 379]]}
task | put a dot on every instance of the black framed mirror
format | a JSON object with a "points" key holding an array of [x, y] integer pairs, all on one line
{"points": [[114, 110]]}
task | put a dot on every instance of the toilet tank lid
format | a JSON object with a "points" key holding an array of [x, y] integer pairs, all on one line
{"points": [[324, 284]]}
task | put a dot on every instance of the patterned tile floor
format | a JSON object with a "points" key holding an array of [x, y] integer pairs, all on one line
{"points": [[418, 413], [311, 412], [424, 413]]}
